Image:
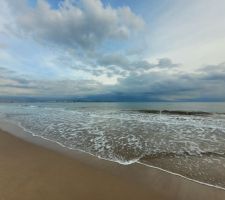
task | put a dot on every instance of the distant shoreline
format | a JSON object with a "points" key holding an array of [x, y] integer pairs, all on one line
{"points": [[99, 99]]}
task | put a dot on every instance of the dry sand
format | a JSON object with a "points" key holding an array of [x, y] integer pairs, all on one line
{"points": [[29, 171]]}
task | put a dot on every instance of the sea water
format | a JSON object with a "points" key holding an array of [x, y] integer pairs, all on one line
{"points": [[190, 143]]}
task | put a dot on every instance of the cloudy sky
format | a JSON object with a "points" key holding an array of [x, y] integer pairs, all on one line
{"points": [[144, 50]]}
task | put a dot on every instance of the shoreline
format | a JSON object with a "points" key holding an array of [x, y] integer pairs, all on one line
{"points": [[56, 146], [146, 178], [34, 172]]}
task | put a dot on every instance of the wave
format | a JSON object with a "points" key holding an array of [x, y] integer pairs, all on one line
{"points": [[176, 141], [176, 112], [161, 155], [139, 160]]}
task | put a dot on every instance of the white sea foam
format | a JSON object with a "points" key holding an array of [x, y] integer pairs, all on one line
{"points": [[123, 136]]}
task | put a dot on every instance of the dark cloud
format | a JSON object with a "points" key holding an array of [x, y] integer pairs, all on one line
{"points": [[113, 64], [114, 60], [12, 83], [49, 88], [213, 68], [69, 87], [120, 64], [4, 71], [152, 85], [21, 80], [166, 84], [165, 63], [207, 83], [122, 61], [17, 86], [214, 72], [5, 74]]}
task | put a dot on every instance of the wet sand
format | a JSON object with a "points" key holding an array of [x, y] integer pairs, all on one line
{"points": [[29, 171]]}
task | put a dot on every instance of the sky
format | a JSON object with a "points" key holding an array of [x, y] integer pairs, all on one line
{"points": [[150, 50]]}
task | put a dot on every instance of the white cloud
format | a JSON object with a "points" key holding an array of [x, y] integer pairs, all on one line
{"points": [[82, 25], [191, 32], [87, 59]]}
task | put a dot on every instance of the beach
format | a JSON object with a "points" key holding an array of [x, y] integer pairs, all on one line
{"points": [[112, 100], [30, 171]]}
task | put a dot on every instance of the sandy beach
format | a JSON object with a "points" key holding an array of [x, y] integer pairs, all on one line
{"points": [[112, 100], [30, 171]]}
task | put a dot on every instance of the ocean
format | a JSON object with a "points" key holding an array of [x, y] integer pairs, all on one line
{"points": [[183, 138]]}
